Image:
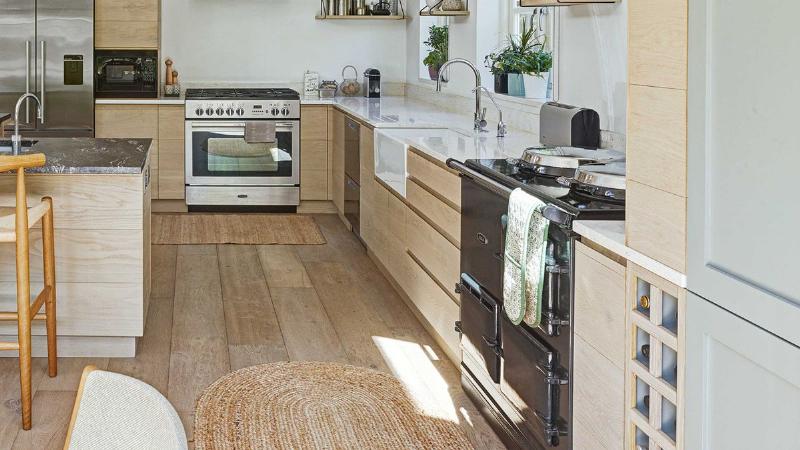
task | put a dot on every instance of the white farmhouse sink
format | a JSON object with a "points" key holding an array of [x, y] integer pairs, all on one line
{"points": [[391, 147]]}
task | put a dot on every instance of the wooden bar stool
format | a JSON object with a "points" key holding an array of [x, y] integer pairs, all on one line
{"points": [[15, 224]]}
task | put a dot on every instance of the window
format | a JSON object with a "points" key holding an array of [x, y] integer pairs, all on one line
{"points": [[514, 18], [434, 43]]}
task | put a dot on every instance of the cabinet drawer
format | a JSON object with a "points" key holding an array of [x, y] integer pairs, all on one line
{"points": [[598, 399], [126, 121], [600, 303], [444, 217], [440, 180], [440, 257], [438, 309]]}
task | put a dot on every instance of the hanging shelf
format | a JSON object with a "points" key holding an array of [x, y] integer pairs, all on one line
{"points": [[323, 16], [436, 10]]}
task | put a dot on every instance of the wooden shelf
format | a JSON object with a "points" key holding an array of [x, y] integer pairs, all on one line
{"points": [[321, 17], [443, 13]]}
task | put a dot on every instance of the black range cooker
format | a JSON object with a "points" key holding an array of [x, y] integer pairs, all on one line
{"points": [[519, 376]]}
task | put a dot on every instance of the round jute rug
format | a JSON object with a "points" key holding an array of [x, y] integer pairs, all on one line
{"points": [[311, 405]]}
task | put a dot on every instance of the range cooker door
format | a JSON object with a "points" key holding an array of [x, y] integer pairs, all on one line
{"points": [[535, 382], [480, 327], [218, 154], [483, 213]]}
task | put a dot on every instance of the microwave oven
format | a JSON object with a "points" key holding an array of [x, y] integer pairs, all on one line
{"points": [[126, 74]]}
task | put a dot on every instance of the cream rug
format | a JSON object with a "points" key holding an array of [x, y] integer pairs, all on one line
{"points": [[235, 229], [316, 405]]}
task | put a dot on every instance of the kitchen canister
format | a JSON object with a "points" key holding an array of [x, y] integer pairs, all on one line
{"points": [[349, 87]]}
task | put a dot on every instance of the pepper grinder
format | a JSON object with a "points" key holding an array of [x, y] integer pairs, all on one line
{"points": [[170, 75]]}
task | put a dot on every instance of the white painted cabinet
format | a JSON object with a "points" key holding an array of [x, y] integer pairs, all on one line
{"points": [[743, 383], [743, 158]]}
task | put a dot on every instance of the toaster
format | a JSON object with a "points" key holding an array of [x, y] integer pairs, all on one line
{"points": [[563, 125]]}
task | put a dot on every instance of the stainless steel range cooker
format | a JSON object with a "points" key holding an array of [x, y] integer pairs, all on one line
{"points": [[236, 174]]}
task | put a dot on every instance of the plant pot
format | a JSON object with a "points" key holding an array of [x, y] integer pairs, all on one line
{"points": [[536, 86], [516, 85], [433, 71], [501, 83]]}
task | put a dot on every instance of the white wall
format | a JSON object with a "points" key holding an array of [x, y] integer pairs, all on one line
{"points": [[264, 41], [593, 52]]}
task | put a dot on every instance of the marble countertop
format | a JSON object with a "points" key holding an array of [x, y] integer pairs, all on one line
{"points": [[4, 116], [91, 156], [610, 234]]}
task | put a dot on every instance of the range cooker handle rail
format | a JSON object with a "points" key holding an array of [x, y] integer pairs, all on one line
{"points": [[551, 212]]}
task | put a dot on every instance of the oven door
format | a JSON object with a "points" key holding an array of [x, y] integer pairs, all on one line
{"points": [[217, 154]]}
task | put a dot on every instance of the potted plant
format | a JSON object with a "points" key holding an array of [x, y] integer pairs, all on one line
{"points": [[437, 44], [523, 65]]}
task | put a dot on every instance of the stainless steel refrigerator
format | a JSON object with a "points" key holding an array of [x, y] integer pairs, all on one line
{"points": [[46, 47]]}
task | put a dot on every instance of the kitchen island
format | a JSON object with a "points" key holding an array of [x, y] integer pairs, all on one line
{"points": [[101, 204]]}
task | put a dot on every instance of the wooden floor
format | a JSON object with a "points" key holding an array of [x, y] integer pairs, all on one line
{"points": [[218, 308]]}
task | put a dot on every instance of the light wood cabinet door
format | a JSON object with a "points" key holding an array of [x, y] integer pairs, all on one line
{"points": [[314, 170], [126, 24], [598, 399], [313, 123], [171, 181]]}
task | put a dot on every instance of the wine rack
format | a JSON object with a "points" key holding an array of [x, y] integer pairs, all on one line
{"points": [[654, 364]]}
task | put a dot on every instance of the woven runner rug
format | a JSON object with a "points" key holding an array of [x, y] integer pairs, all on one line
{"points": [[287, 229]]}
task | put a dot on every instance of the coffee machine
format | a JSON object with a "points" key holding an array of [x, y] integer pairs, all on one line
{"points": [[372, 83]]}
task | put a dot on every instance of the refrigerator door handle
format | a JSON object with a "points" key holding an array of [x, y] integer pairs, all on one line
{"points": [[41, 90], [27, 80]]}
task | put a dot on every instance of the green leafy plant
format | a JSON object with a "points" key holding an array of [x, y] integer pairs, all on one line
{"points": [[437, 44], [525, 54]]}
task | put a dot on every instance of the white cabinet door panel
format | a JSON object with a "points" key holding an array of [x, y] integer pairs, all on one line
{"points": [[742, 383], [744, 153]]}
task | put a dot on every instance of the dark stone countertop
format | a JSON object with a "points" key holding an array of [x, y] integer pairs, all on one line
{"points": [[91, 156], [4, 116]]}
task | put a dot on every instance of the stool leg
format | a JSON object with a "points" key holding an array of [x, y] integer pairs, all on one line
{"points": [[49, 263], [23, 300]]}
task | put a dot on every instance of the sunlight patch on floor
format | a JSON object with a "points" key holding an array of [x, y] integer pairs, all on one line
{"points": [[412, 365]]}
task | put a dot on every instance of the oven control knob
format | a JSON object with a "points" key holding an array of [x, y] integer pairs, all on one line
{"points": [[199, 111], [220, 111], [209, 111], [275, 111], [285, 111], [240, 111], [229, 111]]}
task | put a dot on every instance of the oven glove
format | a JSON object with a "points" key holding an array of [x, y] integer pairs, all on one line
{"points": [[524, 255]]}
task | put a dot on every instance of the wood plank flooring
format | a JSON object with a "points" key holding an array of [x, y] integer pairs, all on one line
{"points": [[217, 308]]}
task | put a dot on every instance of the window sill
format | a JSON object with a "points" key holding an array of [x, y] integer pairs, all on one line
{"points": [[503, 100]]}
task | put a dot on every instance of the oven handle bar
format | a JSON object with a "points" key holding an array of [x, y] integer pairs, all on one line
{"points": [[227, 124], [551, 212]]}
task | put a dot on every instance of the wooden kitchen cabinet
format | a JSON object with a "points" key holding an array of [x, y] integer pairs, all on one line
{"points": [[171, 170], [656, 202], [599, 350], [164, 124], [336, 182], [656, 317], [121, 24], [314, 152]]}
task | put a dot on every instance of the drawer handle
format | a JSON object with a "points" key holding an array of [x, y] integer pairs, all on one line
{"points": [[242, 195], [483, 239]]}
